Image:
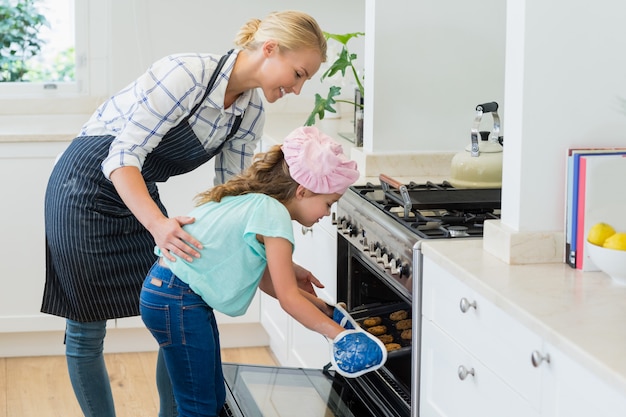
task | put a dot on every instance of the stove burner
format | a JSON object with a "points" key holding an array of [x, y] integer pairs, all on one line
{"points": [[435, 210], [457, 231]]}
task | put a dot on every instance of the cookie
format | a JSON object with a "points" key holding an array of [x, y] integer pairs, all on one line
{"points": [[404, 324], [372, 321], [399, 315], [392, 346], [386, 338], [377, 330], [406, 334]]}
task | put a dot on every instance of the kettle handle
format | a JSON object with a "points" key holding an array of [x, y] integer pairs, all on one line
{"points": [[487, 107], [491, 107]]}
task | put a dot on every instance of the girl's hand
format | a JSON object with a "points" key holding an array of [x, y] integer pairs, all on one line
{"points": [[306, 280], [173, 240]]}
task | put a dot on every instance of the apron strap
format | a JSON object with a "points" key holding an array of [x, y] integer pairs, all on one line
{"points": [[237, 122], [220, 64]]}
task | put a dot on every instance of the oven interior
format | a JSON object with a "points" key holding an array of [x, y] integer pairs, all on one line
{"points": [[368, 293]]}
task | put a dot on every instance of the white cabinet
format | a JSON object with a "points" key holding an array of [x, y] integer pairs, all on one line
{"points": [[572, 391], [292, 343], [456, 383], [24, 172], [477, 360]]}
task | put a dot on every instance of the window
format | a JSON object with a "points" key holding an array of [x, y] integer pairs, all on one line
{"points": [[55, 62]]}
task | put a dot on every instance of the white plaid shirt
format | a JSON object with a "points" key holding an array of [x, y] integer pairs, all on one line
{"points": [[144, 111]]}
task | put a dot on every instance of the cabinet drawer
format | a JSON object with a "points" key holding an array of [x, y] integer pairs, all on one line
{"points": [[573, 391], [498, 341], [444, 393]]}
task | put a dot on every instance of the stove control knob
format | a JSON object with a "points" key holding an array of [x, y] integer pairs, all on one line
{"points": [[404, 270], [383, 257], [345, 227], [378, 254], [385, 260], [372, 249], [393, 267], [364, 243], [353, 231]]}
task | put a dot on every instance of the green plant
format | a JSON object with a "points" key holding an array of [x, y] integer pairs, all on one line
{"points": [[20, 22], [62, 68], [345, 60]]}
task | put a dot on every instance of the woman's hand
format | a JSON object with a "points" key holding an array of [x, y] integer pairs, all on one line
{"points": [[167, 233], [170, 237], [306, 280]]}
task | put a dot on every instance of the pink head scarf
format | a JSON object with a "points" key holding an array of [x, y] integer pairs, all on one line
{"points": [[317, 162]]}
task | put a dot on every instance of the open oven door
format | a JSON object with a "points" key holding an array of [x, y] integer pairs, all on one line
{"points": [[265, 391]]}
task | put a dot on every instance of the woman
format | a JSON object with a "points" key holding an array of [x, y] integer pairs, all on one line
{"points": [[246, 225], [102, 210]]}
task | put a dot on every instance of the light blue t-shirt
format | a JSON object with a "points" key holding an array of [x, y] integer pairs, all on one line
{"points": [[232, 260]]}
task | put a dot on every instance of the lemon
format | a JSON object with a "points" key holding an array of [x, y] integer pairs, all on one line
{"points": [[616, 241], [599, 232]]}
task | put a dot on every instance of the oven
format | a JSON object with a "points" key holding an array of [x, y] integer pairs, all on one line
{"points": [[379, 232]]}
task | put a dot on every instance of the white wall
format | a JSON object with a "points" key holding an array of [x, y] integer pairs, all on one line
{"points": [[146, 30], [428, 64], [565, 79]]}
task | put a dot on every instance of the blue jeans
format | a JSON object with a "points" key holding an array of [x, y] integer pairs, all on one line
{"points": [[84, 344], [185, 328]]}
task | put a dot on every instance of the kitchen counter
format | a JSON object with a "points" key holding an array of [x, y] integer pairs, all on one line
{"points": [[581, 313]]}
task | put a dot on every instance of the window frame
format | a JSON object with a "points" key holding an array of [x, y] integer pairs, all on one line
{"points": [[91, 20]]}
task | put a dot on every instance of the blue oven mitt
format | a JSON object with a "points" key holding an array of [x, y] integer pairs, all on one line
{"points": [[355, 352], [343, 318]]}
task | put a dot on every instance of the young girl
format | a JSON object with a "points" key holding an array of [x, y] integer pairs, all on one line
{"points": [[245, 227]]}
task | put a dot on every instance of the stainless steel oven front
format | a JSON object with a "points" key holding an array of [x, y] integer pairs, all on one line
{"points": [[378, 264]]}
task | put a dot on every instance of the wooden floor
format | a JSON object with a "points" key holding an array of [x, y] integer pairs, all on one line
{"points": [[40, 386]]}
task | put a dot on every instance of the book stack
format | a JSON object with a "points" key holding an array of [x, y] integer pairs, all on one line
{"points": [[596, 192]]}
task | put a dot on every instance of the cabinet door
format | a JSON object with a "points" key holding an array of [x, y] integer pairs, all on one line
{"points": [[316, 250], [292, 343], [24, 169], [572, 391], [309, 349], [275, 321], [448, 392], [500, 342]]}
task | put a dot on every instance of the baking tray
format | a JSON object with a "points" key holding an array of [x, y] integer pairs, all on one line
{"points": [[383, 312]]}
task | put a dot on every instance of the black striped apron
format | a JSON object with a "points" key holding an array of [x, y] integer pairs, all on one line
{"points": [[97, 252]]}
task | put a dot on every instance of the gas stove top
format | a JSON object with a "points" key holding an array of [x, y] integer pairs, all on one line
{"points": [[433, 210]]}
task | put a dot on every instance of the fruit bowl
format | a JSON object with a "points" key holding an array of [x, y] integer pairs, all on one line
{"points": [[610, 261]]}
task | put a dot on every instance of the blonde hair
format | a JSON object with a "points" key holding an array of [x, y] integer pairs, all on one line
{"points": [[268, 174], [291, 29]]}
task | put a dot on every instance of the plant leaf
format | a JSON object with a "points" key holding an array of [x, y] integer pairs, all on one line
{"points": [[343, 61], [343, 38], [323, 105]]}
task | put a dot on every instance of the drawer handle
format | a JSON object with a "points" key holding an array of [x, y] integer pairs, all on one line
{"points": [[536, 358], [306, 230], [465, 305], [463, 372]]}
